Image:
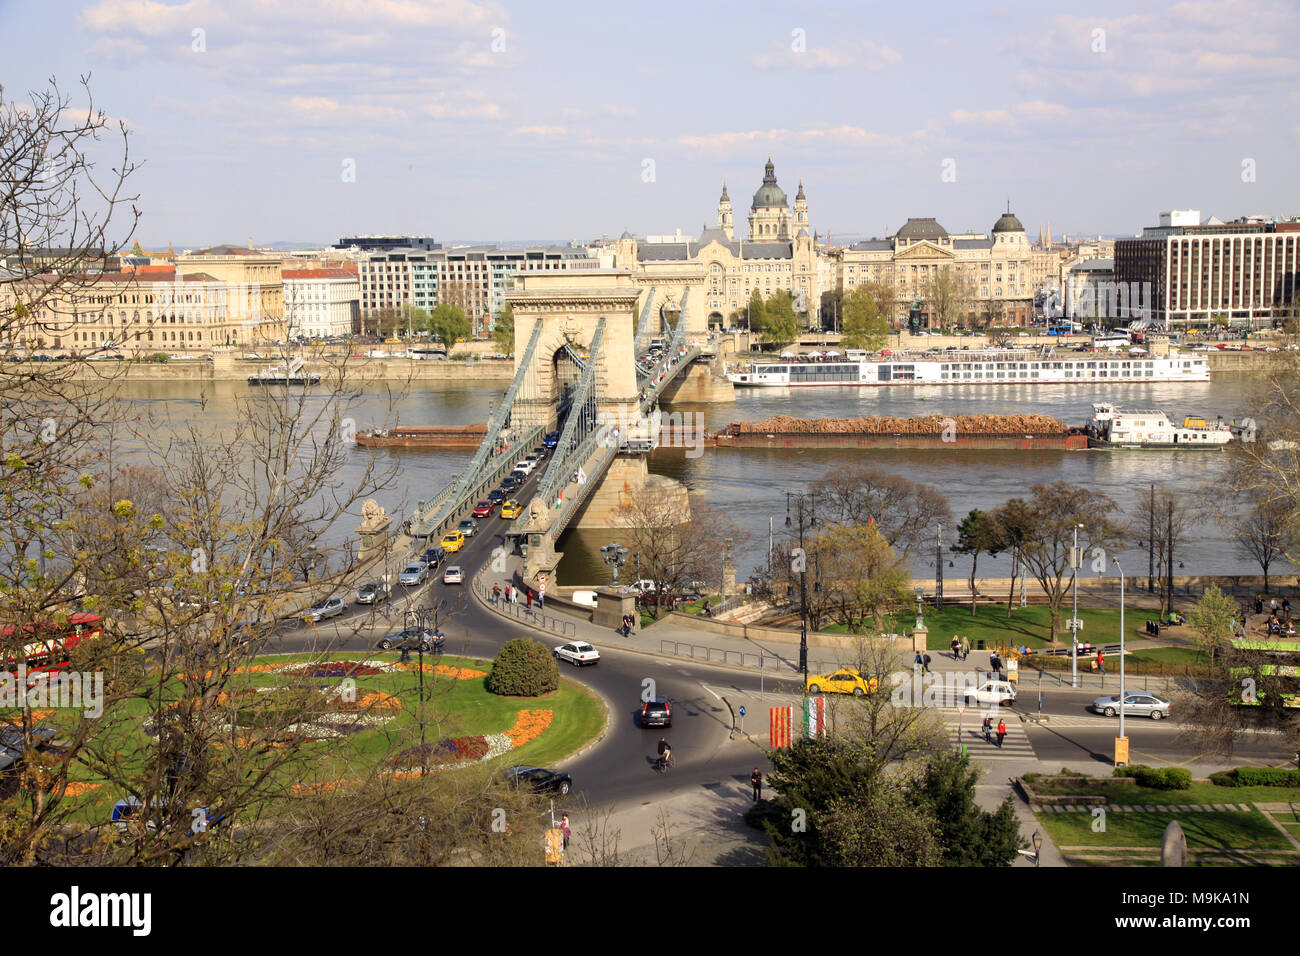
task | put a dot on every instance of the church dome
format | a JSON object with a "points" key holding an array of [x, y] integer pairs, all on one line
{"points": [[769, 195]]}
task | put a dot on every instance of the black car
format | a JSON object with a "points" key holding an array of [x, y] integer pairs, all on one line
{"points": [[519, 474], [656, 713], [496, 497], [541, 781], [510, 483], [413, 639], [434, 556]]}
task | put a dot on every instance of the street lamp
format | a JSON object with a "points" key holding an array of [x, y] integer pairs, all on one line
{"points": [[420, 616], [1121, 663], [615, 555], [1037, 840], [1075, 564], [920, 594]]}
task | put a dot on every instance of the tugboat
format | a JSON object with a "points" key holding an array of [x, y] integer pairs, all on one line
{"points": [[1113, 427], [290, 374]]}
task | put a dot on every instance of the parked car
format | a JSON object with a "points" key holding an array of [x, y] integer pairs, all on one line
{"points": [[992, 692], [417, 572], [656, 713], [577, 653], [413, 639], [453, 575], [541, 781], [845, 680], [330, 607], [453, 541], [372, 591], [484, 509], [1138, 704], [467, 527]]}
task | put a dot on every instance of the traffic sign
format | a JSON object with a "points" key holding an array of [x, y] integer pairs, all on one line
{"points": [[1074, 624], [742, 710], [961, 708]]}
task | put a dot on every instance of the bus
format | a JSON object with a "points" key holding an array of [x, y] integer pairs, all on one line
{"points": [[1272, 662], [48, 646]]}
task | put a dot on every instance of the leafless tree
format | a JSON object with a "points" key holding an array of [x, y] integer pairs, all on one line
{"points": [[1160, 520], [905, 512]]}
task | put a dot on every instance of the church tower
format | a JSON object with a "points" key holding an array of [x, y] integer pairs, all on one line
{"points": [[769, 214], [800, 209], [724, 213]]}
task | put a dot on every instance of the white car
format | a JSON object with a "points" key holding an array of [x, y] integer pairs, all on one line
{"points": [[525, 466], [577, 653], [330, 607], [992, 692], [453, 575]]}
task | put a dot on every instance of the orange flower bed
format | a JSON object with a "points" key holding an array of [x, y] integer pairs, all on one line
{"points": [[17, 721], [77, 788], [529, 725], [375, 701]]}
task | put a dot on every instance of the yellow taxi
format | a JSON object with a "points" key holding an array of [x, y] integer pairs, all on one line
{"points": [[846, 680], [453, 540], [510, 509]]}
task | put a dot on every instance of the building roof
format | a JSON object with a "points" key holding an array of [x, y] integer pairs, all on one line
{"points": [[1008, 223], [769, 195], [972, 243], [227, 250], [317, 274], [915, 230], [872, 245]]}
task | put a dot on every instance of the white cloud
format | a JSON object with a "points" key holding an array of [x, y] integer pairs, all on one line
{"points": [[728, 140], [865, 55], [546, 131]]}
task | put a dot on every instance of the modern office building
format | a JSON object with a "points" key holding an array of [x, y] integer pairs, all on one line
{"points": [[1240, 273], [380, 243]]}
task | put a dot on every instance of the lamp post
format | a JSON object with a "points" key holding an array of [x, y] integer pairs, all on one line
{"points": [[802, 567], [421, 617], [920, 595], [1121, 649], [615, 555], [1074, 617], [1037, 840], [938, 568]]}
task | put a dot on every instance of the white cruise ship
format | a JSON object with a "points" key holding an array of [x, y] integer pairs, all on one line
{"points": [[1015, 367]]}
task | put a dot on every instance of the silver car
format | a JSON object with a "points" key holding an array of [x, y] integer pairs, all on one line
{"points": [[1136, 704], [330, 607]]}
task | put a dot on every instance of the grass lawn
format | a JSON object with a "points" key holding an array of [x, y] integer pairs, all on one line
{"points": [[1168, 655], [1224, 830], [1028, 626], [455, 705], [695, 607]]}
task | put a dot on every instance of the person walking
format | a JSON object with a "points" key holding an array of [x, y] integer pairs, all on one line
{"points": [[1101, 664], [925, 664], [514, 594], [541, 600], [995, 664], [756, 781], [566, 829], [919, 663], [496, 593], [965, 648], [956, 648], [1002, 732], [530, 599], [987, 727]]}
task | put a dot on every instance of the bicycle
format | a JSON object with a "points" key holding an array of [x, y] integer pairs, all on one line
{"points": [[665, 763]]}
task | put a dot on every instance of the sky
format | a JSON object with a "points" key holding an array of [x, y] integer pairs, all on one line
{"points": [[306, 120]]}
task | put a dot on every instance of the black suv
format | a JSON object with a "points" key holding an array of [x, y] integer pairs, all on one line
{"points": [[433, 557], [656, 713], [497, 496]]}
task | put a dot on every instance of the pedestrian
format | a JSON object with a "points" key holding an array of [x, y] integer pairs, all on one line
{"points": [[496, 593], [1101, 664], [919, 663], [565, 829], [925, 664], [995, 663], [541, 599], [1259, 604], [406, 525], [530, 599], [1286, 606], [514, 594], [965, 648], [756, 780], [956, 648], [1002, 732], [987, 727]]}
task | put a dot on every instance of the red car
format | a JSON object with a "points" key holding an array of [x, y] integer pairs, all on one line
{"points": [[484, 508]]}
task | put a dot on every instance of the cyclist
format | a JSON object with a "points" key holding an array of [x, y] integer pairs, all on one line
{"points": [[665, 753]]}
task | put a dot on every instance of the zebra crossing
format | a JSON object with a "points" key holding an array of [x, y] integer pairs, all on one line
{"points": [[965, 729]]}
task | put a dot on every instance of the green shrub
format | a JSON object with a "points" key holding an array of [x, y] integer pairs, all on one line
{"points": [[1153, 778], [1257, 777], [523, 668], [159, 357], [764, 812]]}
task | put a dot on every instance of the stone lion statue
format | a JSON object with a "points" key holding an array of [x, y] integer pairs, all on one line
{"points": [[372, 512]]}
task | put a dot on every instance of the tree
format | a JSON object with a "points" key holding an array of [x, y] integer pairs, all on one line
{"points": [[523, 668], [978, 532], [1212, 619], [757, 312], [886, 298], [1057, 510], [780, 324], [503, 331], [967, 835], [448, 324], [945, 295], [881, 826], [1259, 530], [863, 578], [865, 327], [1161, 518], [1015, 520], [904, 511]]}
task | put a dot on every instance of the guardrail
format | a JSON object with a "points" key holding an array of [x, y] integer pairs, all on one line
{"points": [[532, 617], [770, 663]]}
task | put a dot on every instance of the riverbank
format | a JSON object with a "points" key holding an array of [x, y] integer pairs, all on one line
{"points": [[357, 371]]}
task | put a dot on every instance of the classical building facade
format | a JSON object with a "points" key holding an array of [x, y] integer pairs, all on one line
{"points": [[993, 273], [1242, 272], [253, 288], [721, 271], [321, 302]]}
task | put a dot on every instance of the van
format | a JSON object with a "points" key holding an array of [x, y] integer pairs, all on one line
{"points": [[584, 598]]}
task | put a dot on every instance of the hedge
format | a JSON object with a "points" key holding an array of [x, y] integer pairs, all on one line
{"points": [[1256, 777], [1164, 778], [523, 668]]}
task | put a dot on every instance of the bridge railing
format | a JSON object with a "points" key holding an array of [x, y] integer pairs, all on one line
{"points": [[532, 617]]}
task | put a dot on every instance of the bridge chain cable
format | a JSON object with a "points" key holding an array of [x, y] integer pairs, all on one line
{"points": [[581, 421]]}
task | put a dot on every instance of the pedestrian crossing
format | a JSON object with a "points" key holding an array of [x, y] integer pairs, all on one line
{"points": [[965, 729]]}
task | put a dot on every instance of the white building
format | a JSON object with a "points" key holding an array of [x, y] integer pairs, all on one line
{"points": [[321, 302]]}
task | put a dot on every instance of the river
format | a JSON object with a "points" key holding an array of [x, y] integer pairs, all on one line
{"points": [[751, 483]]}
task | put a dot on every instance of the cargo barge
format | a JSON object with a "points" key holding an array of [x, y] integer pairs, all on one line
{"points": [[1020, 432], [423, 436]]}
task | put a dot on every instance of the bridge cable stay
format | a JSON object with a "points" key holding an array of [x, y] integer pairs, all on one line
{"points": [[477, 476], [581, 422], [642, 340]]}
